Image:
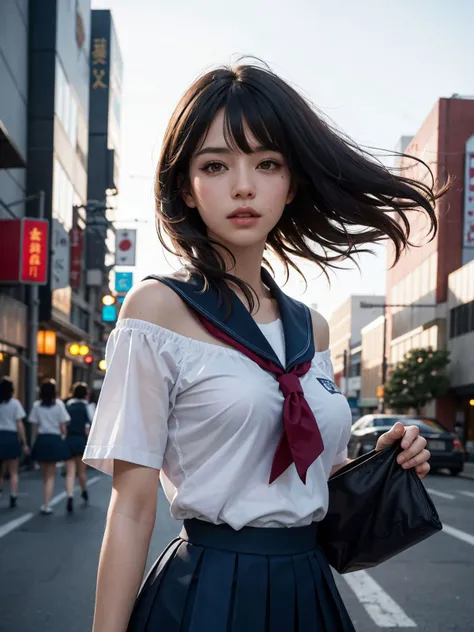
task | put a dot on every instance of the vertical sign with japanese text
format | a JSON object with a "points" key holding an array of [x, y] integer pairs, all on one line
{"points": [[99, 63], [77, 242], [125, 240], [469, 198], [34, 251]]}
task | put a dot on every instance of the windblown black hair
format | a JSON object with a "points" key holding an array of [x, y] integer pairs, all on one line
{"points": [[48, 393], [6, 390], [344, 197]]}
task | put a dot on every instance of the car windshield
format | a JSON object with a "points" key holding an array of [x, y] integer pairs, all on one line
{"points": [[424, 424], [380, 422]]}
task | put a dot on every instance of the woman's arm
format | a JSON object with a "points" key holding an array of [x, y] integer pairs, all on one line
{"points": [[339, 466], [22, 434], [130, 522]]}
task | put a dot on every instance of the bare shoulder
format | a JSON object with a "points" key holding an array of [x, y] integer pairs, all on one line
{"points": [[154, 302], [320, 330]]}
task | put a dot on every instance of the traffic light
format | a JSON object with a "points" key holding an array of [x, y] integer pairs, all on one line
{"points": [[102, 365], [108, 299], [88, 359], [77, 350]]}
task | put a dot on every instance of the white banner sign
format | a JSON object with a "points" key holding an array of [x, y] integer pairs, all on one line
{"points": [[60, 258], [125, 246], [469, 199]]}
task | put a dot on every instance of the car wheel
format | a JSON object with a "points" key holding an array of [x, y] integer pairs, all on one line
{"points": [[455, 471]]}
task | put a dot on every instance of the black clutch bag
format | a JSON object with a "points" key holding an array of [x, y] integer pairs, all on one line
{"points": [[376, 510]]}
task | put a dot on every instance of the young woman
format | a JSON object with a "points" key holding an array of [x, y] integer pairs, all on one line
{"points": [[12, 436], [77, 431], [49, 416], [222, 384]]}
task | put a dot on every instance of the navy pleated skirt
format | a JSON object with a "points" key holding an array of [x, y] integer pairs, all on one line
{"points": [[10, 446], [215, 579], [50, 448], [76, 445]]}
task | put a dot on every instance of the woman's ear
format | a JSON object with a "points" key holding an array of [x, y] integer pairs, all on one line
{"points": [[186, 193], [188, 198], [291, 193]]}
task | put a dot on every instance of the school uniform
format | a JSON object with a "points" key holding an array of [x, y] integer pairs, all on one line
{"points": [[49, 445], [76, 438], [210, 418], [10, 413]]}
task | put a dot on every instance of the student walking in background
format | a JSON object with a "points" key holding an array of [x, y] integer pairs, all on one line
{"points": [[77, 431], [50, 417], [12, 436]]}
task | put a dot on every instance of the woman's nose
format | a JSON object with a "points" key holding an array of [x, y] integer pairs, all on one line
{"points": [[243, 185]]}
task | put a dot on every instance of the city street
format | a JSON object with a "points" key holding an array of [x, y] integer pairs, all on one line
{"points": [[48, 565]]}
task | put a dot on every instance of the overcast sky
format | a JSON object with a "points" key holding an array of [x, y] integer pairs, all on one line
{"points": [[375, 68]]}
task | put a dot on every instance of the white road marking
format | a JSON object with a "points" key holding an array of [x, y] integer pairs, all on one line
{"points": [[457, 533], [17, 522], [14, 524], [470, 494], [435, 492], [381, 608]]}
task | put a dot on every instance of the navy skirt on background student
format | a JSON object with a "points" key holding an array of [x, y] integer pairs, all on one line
{"points": [[50, 448], [10, 446], [213, 578], [76, 444]]}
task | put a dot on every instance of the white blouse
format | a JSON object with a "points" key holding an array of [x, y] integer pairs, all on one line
{"points": [[210, 418], [10, 413], [49, 418]]}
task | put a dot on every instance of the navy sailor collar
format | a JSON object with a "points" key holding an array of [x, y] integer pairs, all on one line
{"points": [[295, 316]]}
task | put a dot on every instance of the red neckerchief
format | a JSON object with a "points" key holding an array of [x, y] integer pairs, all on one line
{"points": [[301, 442]]}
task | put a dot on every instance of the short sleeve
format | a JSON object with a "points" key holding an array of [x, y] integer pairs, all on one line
{"points": [[33, 416], [64, 416], [19, 411], [131, 416]]}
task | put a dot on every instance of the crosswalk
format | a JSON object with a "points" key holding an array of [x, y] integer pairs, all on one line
{"points": [[379, 605]]}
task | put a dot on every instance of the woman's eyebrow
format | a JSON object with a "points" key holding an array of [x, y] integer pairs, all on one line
{"points": [[227, 150]]}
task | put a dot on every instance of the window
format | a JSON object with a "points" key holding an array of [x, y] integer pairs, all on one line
{"points": [[461, 319], [64, 196], [66, 105]]}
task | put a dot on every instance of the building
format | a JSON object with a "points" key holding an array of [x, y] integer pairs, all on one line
{"points": [[58, 111], [14, 20], [421, 278], [460, 309], [346, 324], [106, 71], [371, 368]]}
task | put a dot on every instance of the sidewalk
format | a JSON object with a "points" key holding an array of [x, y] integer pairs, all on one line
{"points": [[468, 471]]}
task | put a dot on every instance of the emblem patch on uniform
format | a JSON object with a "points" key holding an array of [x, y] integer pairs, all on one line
{"points": [[329, 385]]}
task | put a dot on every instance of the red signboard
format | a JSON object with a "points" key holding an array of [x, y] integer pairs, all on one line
{"points": [[77, 245], [24, 251]]}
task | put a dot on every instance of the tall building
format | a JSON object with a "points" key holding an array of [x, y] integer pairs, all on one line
{"points": [[346, 324], [58, 110], [14, 19], [106, 71], [420, 280]]}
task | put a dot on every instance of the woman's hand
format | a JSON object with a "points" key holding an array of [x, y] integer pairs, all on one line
{"points": [[414, 447]]}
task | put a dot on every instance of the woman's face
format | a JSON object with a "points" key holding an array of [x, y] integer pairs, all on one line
{"points": [[240, 197]]}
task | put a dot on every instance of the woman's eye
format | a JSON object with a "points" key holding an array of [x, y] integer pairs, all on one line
{"points": [[213, 167], [269, 165]]}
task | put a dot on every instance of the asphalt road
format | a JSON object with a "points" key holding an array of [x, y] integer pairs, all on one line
{"points": [[48, 565]]}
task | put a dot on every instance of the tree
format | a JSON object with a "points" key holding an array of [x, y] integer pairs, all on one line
{"points": [[417, 379]]}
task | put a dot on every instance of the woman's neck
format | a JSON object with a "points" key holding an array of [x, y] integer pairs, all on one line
{"points": [[247, 267]]}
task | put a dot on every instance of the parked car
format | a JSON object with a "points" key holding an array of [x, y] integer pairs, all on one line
{"points": [[446, 449]]}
